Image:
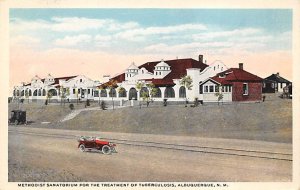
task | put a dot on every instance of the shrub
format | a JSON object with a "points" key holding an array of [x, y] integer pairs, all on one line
{"points": [[196, 102], [103, 105], [87, 102], [165, 102], [71, 106]]}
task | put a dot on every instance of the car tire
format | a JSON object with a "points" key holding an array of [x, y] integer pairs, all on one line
{"points": [[82, 148], [106, 149]]}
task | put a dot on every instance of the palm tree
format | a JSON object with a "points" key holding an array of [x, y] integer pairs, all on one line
{"points": [[186, 81], [49, 96], [27, 95], [219, 93], [111, 85], [139, 85]]}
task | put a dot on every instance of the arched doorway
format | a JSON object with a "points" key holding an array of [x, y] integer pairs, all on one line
{"points": [[144, 92], [158, 93], [44, 92], [35, 93], [169, 92], [182, 92], [122, 92], [103, 93], [112, 93], [53, 92], [22, 93], [40, 92], [132, 94]]}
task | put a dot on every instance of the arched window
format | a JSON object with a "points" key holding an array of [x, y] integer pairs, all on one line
{"points": [[112, 93], [15, 93], [35, 93], [158, 93], [40, 92], [53, 92], [182, 92], [18, 93], [22, 93], [122, 92], [132, 94], [96, 93], [44, 92], [144, 92], [29, 92], [169, 92], [103, 93]]}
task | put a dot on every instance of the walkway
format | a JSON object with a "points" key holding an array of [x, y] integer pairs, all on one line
{"points": [[74, 113]]}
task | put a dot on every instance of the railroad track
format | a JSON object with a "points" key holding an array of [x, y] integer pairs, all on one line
{"points": [[179, 147]]}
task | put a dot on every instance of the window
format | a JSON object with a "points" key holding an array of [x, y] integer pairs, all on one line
{"points": [[264, 85], [280, 85], [245, 89], [73, 90], [143, 71], [214, 68], [272, 85], [89, 91], [229, 88], [169, 92], [80, 80], [182, 92], [158, 93], [96, 93], [211, 88], [216, 88], [205, 88]]}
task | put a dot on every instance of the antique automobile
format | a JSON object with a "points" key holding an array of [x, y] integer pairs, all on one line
{"points": [[95, 143], [17, 117]]}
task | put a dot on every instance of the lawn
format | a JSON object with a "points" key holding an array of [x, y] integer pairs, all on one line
{"points": [[268, 121]]}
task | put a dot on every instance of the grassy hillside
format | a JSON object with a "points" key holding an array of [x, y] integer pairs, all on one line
{"points": [[269, 121]]}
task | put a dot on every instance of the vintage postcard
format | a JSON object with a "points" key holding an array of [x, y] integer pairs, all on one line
{"points": [[138, 95]]}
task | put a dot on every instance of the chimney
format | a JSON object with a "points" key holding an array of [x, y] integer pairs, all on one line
{"points": [[201, 58], [241, 66], [277, 74]]}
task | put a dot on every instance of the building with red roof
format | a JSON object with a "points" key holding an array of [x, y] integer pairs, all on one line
{"points": [[165, 75], [234, 84]]}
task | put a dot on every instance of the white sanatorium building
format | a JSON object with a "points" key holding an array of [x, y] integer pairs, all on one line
{"points": [[165, 75]]}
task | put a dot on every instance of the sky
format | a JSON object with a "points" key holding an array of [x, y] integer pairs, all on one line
{"points": [[96, 42]]}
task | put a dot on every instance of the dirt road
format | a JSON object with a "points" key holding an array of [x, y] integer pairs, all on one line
{"points": [[45, 155]]}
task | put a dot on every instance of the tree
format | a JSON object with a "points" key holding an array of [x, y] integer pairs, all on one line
{"points": [[100, 88], [27, 95], [152, 92], [186, 81], [139, 85], [49, 96], [64, 92], [112, 84], [219, 93]]}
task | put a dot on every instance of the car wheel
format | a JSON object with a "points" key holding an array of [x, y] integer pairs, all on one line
{"points": [[82, 148], [106, 149]]}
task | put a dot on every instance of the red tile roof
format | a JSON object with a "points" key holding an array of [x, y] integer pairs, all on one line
{"points": [[178, 69], [234, 75]]}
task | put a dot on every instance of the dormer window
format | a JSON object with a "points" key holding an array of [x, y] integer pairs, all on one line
{"points": [[222, 75], [80, 80]]}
